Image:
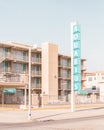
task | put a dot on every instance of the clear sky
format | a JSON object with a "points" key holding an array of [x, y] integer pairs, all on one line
{"points": [[38, 21]]}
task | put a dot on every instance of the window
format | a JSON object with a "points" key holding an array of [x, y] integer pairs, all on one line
{"points": [[24, 67], [93, 87], [90, 79], [37, 55], [37, 68], [6, 51], [68, 84], [24, 55], [94, 78], [6, 66], [37, 80], [68, 63]]}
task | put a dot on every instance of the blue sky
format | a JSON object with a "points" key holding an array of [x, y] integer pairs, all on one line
{"points": [[38, 21]]}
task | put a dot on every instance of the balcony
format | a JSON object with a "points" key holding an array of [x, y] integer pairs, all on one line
{"points": [[64, 76], [6, 58], [13, 80], [4, 69], [64, 87], [36, 86], [35, 60], [36, 73], [20, 59], [20, 56], [64, 66]]}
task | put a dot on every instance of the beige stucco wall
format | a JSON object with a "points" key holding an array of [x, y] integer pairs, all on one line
{"points": [[50, 70]]}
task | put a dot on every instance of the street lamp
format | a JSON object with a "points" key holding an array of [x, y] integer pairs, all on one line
{"points": [[29, 88]]}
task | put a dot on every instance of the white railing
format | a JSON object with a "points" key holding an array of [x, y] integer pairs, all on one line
{"points": [[13, 78]]}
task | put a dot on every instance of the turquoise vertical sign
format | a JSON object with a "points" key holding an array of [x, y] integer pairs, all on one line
{"points": [[77, 57]]}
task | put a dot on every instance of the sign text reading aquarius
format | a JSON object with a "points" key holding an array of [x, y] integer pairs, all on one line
{"points": [[76, 57]]}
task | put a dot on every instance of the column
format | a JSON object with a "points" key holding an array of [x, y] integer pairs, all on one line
{"points": [[2, 97], [25, 103]]}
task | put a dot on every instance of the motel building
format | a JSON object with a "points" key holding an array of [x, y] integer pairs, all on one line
{"points": [[50, 74], [95, 85]]}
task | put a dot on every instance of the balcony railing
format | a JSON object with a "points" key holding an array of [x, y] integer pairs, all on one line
{"points": [[36, 60], [9, 78], [20, 58], [3, 58], [36, 86], [36, 72], [13, 78], [64, 65], [64, 75], [64, 87]]}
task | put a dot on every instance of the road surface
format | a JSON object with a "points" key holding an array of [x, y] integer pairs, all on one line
{"points": [[83, 123]]}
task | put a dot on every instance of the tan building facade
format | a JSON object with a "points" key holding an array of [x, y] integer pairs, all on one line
{"points": [[50, 71], [50, 74]]}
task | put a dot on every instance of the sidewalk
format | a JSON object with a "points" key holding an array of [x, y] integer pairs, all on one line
{"points": [[21, 116], [66, 114]]}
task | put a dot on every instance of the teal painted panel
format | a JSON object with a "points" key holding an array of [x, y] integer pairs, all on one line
{"points": [[9, 90], [83, 92]]}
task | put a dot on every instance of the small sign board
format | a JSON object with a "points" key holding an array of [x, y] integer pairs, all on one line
{"points": [[9, 90], [82, 92]]}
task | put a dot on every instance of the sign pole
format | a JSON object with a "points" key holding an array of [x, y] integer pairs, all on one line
{"points": [[29, 102], [72, 90], [75, 62]]}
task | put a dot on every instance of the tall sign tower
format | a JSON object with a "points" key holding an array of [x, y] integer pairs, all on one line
{"points": [[75, 61]]}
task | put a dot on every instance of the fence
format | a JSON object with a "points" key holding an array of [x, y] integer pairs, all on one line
{"points": [[18, 99], [79, 99]]}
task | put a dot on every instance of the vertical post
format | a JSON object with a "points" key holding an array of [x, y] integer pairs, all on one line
{"points": [[25, 96], [42, 100], [2, 97], [72, 78], [72, 91], [29, 102]]}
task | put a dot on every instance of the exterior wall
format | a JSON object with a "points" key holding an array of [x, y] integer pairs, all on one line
{"points": [[50, 70], [45, 69], [102, 92], [95, 85], [94, 79]]}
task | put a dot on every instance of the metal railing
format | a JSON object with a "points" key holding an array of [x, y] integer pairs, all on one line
{"points": [[35, 86], [35, 72], [13, 78], [37, 60]]}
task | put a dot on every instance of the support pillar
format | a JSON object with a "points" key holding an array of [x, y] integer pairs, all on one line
{"points": [[25, 103], [2, 97]]}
